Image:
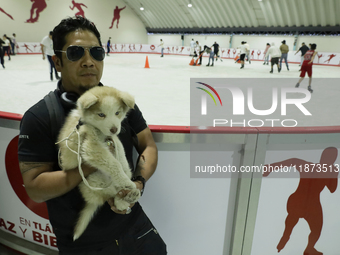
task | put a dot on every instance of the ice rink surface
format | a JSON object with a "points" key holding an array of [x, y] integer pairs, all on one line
{"points": [[162, 91]]}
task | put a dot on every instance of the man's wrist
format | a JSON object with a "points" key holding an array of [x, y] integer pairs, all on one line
{"points": [[139, 185], [140, 180]]}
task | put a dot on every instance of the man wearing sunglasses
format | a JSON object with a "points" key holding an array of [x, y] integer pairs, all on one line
{"points": [[79, 58]]}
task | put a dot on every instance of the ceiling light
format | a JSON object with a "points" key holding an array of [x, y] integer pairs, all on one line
{"points": [[189, 4], [141, 7]]}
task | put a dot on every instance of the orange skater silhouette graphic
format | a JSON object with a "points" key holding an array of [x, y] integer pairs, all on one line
{"points": [[116, 15], [79, 7], [38, 6], [305, 201], [330, 57], [2, 10]]}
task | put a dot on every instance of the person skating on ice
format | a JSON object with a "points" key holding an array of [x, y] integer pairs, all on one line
{"points": [[275, 54], [307, 66]]}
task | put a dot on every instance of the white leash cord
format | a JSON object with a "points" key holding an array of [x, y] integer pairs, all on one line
{"points": [[79, 160]]}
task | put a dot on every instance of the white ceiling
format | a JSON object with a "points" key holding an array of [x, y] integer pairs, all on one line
{"points": [[169, 15]]}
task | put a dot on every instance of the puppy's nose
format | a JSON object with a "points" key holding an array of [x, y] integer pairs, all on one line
{"points": [[113, 130]]}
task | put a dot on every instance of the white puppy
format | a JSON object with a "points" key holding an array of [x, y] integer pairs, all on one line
{"points": [[96, 122]]}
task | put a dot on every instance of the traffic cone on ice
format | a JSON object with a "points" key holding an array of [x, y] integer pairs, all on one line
{"points": [[192, 62], [147, 63]]}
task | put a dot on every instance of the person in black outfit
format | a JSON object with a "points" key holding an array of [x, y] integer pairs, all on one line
{"points": [[79, 57], [304, 48], [6, 46], [2, 61], [216, 49], [108, 45]]}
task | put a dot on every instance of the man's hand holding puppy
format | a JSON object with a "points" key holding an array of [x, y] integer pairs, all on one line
{"points": [[122, 194]]}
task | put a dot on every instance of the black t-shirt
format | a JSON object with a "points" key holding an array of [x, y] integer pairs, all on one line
{"points": [[36, 144], [303, 50], [216, 47]]}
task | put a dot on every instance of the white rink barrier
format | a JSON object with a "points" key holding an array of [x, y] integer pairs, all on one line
{"points": [[322, 58]]}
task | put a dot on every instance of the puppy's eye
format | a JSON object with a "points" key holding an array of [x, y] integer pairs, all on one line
{"points": [[117, 113], [102, 115]]}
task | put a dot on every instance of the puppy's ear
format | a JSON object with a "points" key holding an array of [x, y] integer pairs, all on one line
{"points": [[127, 99], [87, 100]]}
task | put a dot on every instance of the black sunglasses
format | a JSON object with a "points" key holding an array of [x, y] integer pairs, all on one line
{"points": [[74, 53]]}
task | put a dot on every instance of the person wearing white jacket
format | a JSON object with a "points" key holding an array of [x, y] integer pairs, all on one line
{"points": [[244, 48], [275, 54]]}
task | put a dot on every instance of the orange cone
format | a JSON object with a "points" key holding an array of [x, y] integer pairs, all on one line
{"points": [[147, 63], [192, 62], [237, 58]]}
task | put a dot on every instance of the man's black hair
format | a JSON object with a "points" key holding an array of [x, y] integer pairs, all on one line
{"points": [[313, 47], [68, 25]]}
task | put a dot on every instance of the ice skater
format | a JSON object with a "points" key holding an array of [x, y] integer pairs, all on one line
{"points": [[108, 45], [192, 47], [200, 52], [304, 48], [216, 50], [266, 59], [307, 66], [243, 52], [284, 53], [211, 54], [47, 49], [2, 61], [162, 47], [275, 54], [248, 52], [6, 46]]}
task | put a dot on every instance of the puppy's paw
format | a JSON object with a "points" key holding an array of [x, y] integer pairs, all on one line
{"points": [[132, 196], [120, 204]]}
